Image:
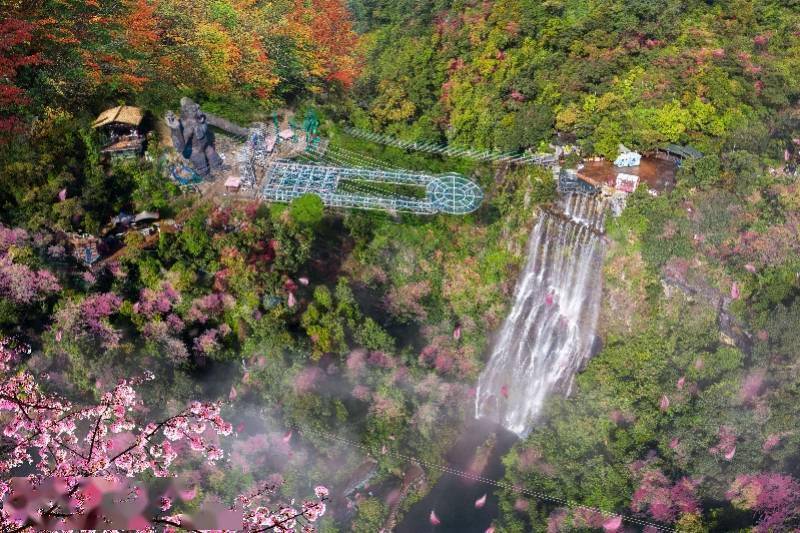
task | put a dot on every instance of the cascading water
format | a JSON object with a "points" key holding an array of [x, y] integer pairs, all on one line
{"points": [[549, 333]]}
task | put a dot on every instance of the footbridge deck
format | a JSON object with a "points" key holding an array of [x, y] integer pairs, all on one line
{"points": [[447, 193]]}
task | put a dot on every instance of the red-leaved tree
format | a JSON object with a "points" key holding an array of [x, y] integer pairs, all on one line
{"points": [[15, 35]]}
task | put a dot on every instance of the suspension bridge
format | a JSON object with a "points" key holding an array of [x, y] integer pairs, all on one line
{"points": [[345, 179], [454, 151]]}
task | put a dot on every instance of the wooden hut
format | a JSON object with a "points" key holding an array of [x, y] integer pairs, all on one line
{"points": [[121, 124]]}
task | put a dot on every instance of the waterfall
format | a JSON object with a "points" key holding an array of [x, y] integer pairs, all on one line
{"points": [[549, 332]]}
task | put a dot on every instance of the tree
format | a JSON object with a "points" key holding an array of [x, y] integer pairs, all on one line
{"points": [[543, 189], [22, 285], [14, 34], [702, 173], [327, 30], [307, 210], [19, 283], [324, 324], [112, 440], [774, 497], [743, 171]]}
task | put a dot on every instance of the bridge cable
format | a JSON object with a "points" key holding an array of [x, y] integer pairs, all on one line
{"points": [[474, 477]]}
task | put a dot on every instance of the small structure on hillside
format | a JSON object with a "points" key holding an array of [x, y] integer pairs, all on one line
{"points": [[121, 124], [365, 188], [124, 222], [626, 183], [286, 135], [571, 180], [233, 184], [627, 158], [123, 219], [562, 150], [658, 174], [84, 248], [677, 153], [145, 217], [361, 477]]}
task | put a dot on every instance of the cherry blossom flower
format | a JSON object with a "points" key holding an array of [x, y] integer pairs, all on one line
{"points": [[613, 524], [89, 319], [306, 379], [210, 306], [480, 502], [152, 303], [726, 445], [11, 237], [165, 504], [752, 386], [208, 342], [771, 442], [735, 291], [59, 439], [361, 392], [664, 404]]}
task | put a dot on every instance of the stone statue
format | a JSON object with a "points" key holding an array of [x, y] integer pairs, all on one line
{"points": [[192, 138]]}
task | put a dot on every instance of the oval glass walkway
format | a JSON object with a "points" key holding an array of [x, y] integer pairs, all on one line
{"points": [[447, 193]]}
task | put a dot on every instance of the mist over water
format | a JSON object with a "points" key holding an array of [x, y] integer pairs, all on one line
{"points": [[549, 333]]}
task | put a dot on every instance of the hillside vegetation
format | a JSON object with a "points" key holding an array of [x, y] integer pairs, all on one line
{"points": [[511, 73], [375, 326]]}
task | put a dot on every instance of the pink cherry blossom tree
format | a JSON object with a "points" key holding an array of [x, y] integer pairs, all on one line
{"points": [[69, 447], [18, 282], [663, 500], [774, 497], [157, 302], [89, 319]]}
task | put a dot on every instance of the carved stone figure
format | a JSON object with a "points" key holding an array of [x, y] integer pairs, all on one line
{"points": [[192, 138]]}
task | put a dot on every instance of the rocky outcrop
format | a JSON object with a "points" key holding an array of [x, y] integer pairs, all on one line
{"points": [[731, 330], [414, 479]]}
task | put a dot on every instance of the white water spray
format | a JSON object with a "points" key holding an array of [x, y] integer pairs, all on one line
{"points": [[549, 333]]}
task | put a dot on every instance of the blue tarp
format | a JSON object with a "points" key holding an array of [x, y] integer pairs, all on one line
{"points": [[185, 175]]}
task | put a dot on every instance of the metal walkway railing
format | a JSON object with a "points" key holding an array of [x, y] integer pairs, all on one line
{"points": [[452, 151], [448, 193]]}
